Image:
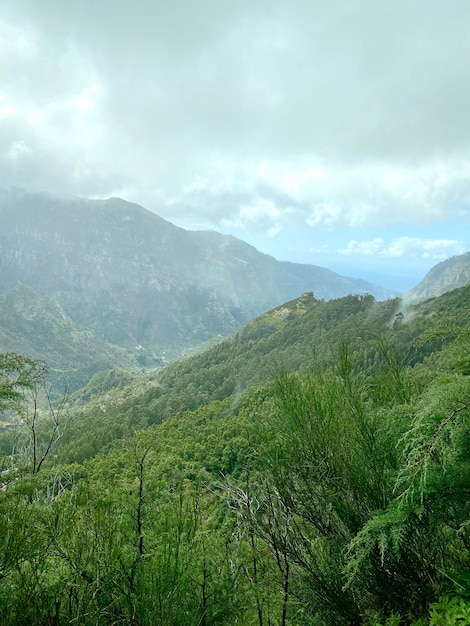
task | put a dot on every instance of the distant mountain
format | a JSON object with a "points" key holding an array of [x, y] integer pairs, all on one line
{"points": [[137, 281], [443, 277], [327, 284]]}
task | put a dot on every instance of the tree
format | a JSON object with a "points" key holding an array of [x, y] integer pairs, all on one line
{"points": [[329, 461], [18, 374], [422, 535], [26, 394]]}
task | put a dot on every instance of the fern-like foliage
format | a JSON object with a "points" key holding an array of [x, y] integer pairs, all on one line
{"points": [[422, 534]]}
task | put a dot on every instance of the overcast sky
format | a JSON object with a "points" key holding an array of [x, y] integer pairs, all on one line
{"points": [[328, 132]]}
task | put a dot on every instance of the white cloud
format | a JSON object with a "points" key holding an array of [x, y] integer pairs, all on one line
{"points": [[6, 110], [274, 231], [328, 196], [268, 117], [88, 100], [18, 151], [262, 215], [19, 41], [325, 214], [376, 246], [400, 247]]}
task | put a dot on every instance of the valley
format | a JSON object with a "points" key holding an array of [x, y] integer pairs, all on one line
{"points": [[134, 284], [308, 465]]}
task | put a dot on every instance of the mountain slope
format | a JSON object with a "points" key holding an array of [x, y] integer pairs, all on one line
{"points": [[135, 279], [327, 284], [37, 327], [303, 335], [352, 459], [443, 277]]}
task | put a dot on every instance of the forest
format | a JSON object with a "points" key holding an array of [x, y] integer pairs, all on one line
{"points": [[312, 469]]}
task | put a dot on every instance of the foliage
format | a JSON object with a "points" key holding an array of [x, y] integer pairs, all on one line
{"points": [[450, 612], [38, 326], [18, 374], [227, 489], [24, 389]]}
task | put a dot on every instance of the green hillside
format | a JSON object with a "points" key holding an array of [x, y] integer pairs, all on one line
{"points": [[38, 327], [311, 469]]}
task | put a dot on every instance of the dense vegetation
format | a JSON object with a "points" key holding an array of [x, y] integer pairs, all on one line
{"points": [[313, 469], [38, 326]]}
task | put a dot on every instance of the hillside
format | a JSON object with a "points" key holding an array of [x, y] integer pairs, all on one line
{"points": [[135, 280], [443, 277], [303, 335], [37, 326], [312, 469]]}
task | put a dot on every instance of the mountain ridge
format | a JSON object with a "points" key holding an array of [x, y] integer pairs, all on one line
{"points": [[135, 279], [441, 278]]}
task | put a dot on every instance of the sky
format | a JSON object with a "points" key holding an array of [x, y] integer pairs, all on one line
{"points": [[332, 133]]}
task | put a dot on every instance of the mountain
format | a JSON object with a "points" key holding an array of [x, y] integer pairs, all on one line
{"points": [[327, 284], [137, 281], [37, 326], [443, 277]]}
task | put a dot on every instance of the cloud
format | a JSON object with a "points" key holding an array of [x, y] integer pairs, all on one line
{"points": [[262, 116], [411, 247], [19, 151], [327, 197], [6, 110]]}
